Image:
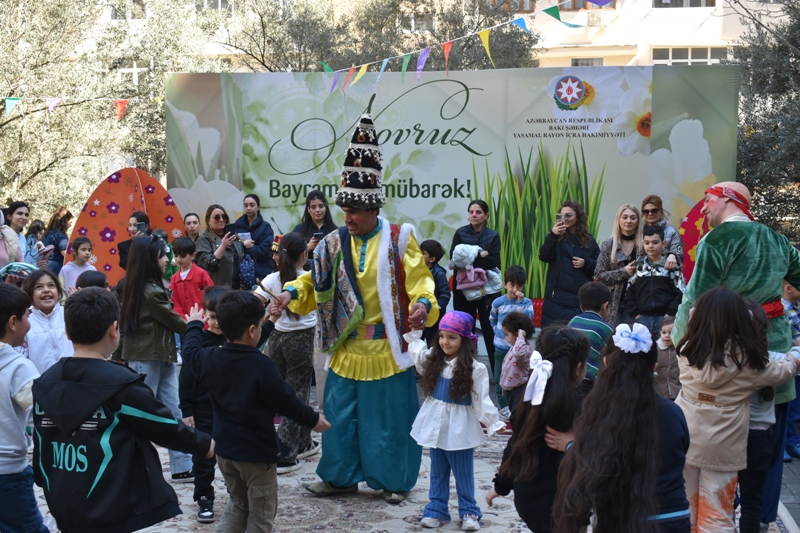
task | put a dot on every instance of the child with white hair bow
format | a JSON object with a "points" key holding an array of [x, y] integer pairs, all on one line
{"points": [[625, 464], [552, 398]]}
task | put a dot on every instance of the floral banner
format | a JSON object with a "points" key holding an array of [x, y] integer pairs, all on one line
{"points": [[602, 135]]}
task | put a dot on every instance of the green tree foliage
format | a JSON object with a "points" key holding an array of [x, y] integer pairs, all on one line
{"points": [[371, 30], [769, 116]]}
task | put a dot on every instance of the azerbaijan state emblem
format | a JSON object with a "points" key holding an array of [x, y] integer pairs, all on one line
{"points": [[570, 93]]}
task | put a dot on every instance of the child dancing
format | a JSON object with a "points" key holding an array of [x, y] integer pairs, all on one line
{"points": [[457, 402]]}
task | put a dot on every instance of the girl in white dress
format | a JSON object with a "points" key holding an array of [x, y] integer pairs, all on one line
{"points": [[457, 402]]}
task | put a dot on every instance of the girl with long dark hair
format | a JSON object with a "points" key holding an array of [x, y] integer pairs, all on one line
{"points": [[292, 347], [138, 226], [457, 402], [148, 326], [551, 399], [721, 364], [571, 253], [259, 244], [56, 234], [316, 220], [626, 461]]}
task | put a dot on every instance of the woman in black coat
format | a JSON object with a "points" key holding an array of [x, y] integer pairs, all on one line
{"points": [[572, 254], [476, 233], [259, 245]]}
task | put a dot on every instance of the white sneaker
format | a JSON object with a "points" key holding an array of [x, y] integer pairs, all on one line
{"points": [[505, 413], [431, 522], [314, 449], [286, 467], [470, 522]]}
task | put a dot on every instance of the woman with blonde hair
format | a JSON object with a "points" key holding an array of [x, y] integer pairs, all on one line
{"points": [[618, 256], [654, 214]]}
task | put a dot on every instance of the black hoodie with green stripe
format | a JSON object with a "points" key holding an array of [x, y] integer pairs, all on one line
{"points": [[93, 426]]}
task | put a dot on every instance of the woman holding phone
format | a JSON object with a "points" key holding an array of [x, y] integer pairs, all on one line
{"points": [[572, 254], [219, 249], [317, 222], [256, 235], [138, 226]]}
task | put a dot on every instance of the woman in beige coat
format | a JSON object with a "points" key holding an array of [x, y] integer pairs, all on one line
{"points": [[721, 364]]}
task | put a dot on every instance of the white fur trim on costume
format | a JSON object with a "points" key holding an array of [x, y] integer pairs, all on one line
{"points": [[402, 241], [403, 360]]}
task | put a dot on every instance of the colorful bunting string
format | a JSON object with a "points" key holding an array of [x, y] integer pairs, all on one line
{"points": [[423, 57], [335, 80], [52, 102], [446, 48], [361, 72], [120, 105], [325, 67], [11, 103], [383, 67], [556, 14], [406, 59], [484, 35]]}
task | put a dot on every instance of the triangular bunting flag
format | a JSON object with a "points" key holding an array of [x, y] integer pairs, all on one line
{"points": [[349, 75], [423, 57], [383, 66], [361, 72], [556, 14], [446, 48], [52, 102], [484, 35], [521, 23], [335, 81], [120, 105], [600, 2], [406, 59], [325, 67], [11, 103]]}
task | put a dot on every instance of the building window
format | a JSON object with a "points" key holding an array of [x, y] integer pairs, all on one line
{"points": [[416, 22], [130, 72], [689, 56], [214, 4], [575, 5], [684, 3], [587, 61], [132, 9]]}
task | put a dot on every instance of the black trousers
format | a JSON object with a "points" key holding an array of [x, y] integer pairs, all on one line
{"points": [[752, 479], [481, 307], [203, 468]]}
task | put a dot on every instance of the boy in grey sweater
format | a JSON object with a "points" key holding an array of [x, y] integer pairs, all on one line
{"points": [[19, 512]]}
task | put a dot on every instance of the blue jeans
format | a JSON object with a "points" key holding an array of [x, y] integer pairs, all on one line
{"points": [[462, 464], [19, 512], [653, 323], [792, 438], [162, 379], [774, 483]]}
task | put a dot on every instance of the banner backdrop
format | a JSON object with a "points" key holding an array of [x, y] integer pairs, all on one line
{"points": [[524, 140]]}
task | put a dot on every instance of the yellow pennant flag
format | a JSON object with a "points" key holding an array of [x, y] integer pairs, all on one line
{"points": [[361, 72], [484, 35]]}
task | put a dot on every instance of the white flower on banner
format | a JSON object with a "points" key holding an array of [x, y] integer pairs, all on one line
{"points": [[682, 175], [587, 95], [202, 194], [634, 121], [176, 232], [639, 79]]}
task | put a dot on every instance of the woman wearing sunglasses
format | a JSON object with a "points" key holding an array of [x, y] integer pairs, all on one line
{"points": [[219, 252], [654, 215]]}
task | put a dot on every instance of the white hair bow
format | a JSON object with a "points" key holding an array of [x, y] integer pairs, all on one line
{"points": [[541, 371], [634, 340]]}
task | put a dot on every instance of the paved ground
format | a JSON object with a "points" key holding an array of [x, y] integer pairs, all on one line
{"points": [[790, 495]]}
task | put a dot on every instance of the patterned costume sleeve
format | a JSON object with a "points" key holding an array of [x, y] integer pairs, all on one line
{"points": [[419, 281], [302, 290]]}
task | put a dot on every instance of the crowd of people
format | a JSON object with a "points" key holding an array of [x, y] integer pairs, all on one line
{"points": [[642, 405]]}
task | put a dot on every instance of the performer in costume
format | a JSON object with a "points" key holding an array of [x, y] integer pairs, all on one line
{"points": [[369, 285], [752, 260]]}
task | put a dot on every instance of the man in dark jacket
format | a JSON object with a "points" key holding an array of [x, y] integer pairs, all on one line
{"points": [[93, 424]]}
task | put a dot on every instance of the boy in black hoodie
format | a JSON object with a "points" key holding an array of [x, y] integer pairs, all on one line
{"points": [[93, 423], [247, 390], [195, 404]]}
